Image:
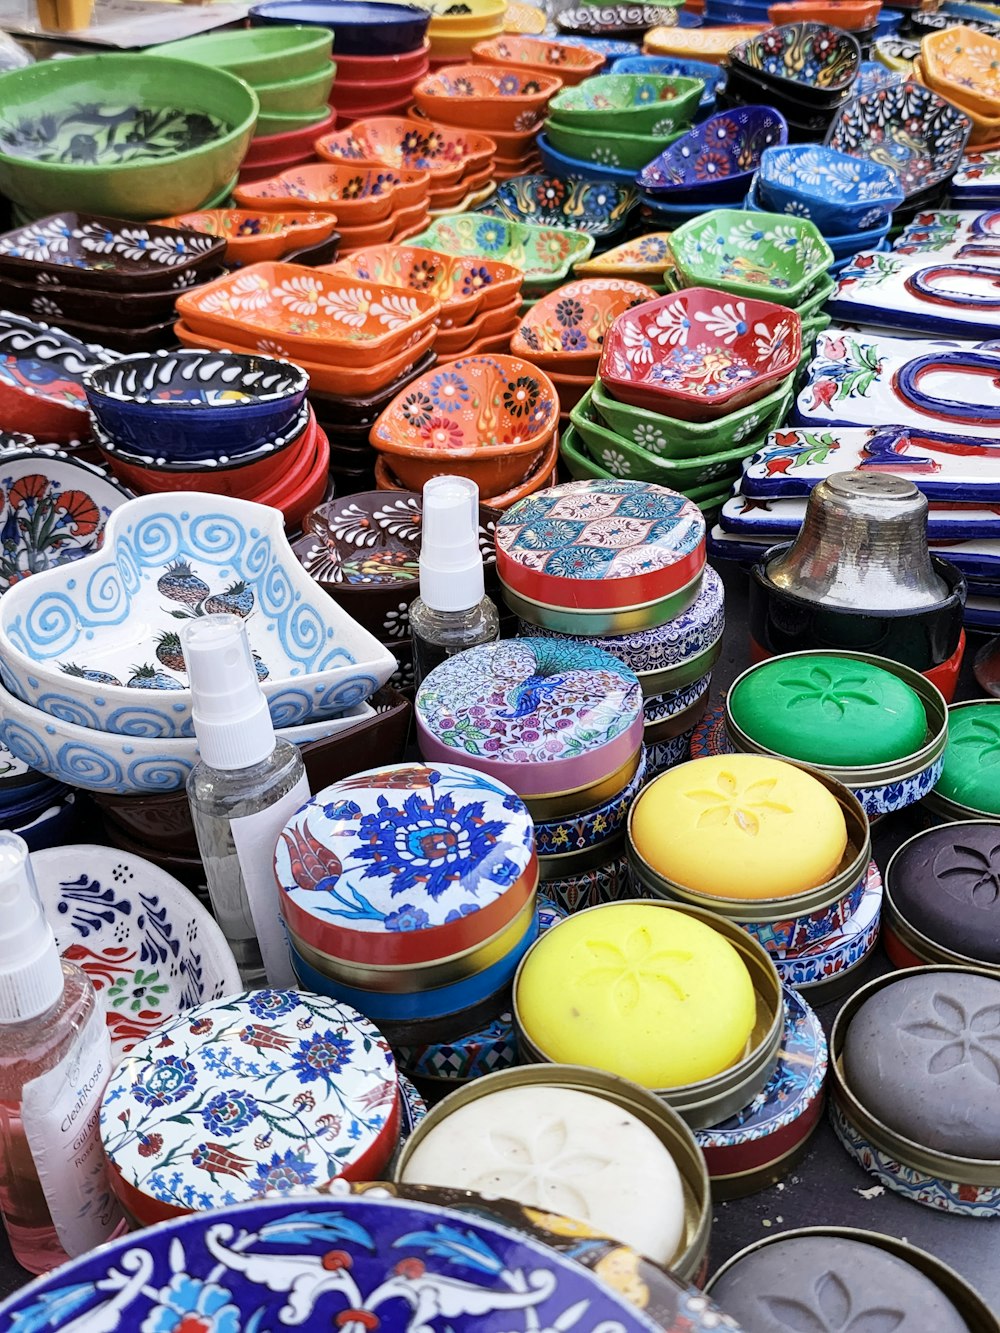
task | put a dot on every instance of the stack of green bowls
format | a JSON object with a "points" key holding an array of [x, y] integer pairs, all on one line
{"points": [[289, 68], [622, 121]]}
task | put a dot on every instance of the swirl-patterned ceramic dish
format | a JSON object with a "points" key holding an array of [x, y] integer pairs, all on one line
{"points": [[146, 943], [246, 1095], [41, 379], [906, 127], [616, 20], [821, 61], [53, 510], [96, 643], [330, 1262]]}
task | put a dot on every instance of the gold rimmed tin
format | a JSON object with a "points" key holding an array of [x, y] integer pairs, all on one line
{"points": [[677, 677], [564, 804], [964, 1185], [405, 978], [760, 915], [710, 1100], [608, 620], [946, 808], [570, 864], [966, 1300], [668, 1127], [905, 943], [881, 788], [668, 728]]}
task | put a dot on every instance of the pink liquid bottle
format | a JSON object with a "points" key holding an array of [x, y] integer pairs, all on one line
{"points": [[55, 1061]]}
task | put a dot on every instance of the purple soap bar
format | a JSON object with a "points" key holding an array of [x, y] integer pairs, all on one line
{"points": [[946, 884], [830, 1282]]}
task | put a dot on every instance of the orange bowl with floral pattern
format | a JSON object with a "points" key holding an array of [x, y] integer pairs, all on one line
{"points": [[565, 330], [485, 417], [357, 195], [253, 236], [460, 284], [541, 475], [485, 98], [965, 63], [448, 155], [570, 64], [326, 316], [488, 324]]}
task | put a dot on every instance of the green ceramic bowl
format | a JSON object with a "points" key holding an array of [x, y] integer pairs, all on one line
{"points": [[666, 438], [57, 151], [635, 103], [308, 93], [545, 255], [259, 55], [769, 256], [624, 458], [581, 466], [812, 303], [285, 122], [608, 148]]}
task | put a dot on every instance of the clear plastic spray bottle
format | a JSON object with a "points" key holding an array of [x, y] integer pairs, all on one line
{"points": [[452, 612], [242, 792]]}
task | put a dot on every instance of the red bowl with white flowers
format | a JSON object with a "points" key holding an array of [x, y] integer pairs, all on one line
{"points": [[699, 354]]}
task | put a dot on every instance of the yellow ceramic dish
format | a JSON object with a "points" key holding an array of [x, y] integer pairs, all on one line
{"points": [[711, 44], [524, 19]]}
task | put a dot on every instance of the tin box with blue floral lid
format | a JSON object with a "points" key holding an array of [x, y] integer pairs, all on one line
{"points": [[408, 877], [601, 556], [559, 722], [249, 1095]]}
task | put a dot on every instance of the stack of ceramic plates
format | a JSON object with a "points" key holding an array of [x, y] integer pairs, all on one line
{"points": [[455, 29], [459, 163], [378, 85], [962, 65], [104, 281]]}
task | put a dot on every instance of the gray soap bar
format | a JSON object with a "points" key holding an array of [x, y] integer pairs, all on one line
{"points": [[923, 1056], [828, 1283]]}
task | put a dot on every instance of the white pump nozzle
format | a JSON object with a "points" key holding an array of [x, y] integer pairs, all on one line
{"points": [[31, 977], [451, 563], [228, 708]]}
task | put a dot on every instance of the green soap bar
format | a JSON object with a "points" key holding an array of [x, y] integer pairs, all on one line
{"points": [[830, 711], [971, 774]]}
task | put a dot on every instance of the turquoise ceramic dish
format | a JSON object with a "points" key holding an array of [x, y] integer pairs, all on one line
{"points": [[635, 103], [624, 458], [128, 136], [609, 148], [666, 438]]}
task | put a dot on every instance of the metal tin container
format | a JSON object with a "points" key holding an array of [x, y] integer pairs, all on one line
{"points": [[761, 1143], [406, 865], [674, 654], [947, 808], [661, 755], [667, 715], [828, 969], [668, 1127], [905, 943], [963, 1185], [202, 1088], [601, 556], [591, 828], [966, 1300], [464, 1059], [714, 1099], [791, 922], [558, 722], [607, 882], [881, 788]]}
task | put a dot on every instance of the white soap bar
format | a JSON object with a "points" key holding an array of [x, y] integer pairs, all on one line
{"points": [[565, 1152]]}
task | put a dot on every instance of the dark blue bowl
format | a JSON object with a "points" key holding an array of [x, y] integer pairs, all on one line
{"points": [[715, 161], [361, 29], [558, 164], [192, 407]]}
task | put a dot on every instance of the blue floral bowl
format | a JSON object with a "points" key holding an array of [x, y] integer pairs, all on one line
{"points": [[715, 161], [189, 407], [577, 168], [711, 75], [601, 208], [361, 1262], [848, 243], [95, 642], [840, 193]]}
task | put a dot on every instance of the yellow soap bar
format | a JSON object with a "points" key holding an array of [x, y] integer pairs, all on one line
{"points": [[643, 991], [740, 826]]}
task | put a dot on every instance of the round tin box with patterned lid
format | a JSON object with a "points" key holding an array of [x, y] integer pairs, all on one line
{"points": [[560, 723], [854, 693], [601, 557], [247, 1095], [969, 785], [828, 969], [670, 656], [408, 864], [917, 1108], [762, 1142]]}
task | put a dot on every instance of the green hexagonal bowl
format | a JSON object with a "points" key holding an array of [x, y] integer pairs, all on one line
{"points": [[545, 255], [608, 148], [768, 256], [580, 466], [676, 441], [633, 103]]}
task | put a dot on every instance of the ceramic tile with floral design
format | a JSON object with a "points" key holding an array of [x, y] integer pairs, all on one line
{"points": [[952, 234], [253, 1094], [941, 297], [782, 518], [977, 178]]}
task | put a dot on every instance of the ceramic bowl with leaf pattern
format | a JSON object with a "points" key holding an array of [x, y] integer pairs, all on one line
{"points": [[817, 62]]}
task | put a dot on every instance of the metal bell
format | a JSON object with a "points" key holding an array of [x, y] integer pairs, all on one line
{"points": [[862, 546]]}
